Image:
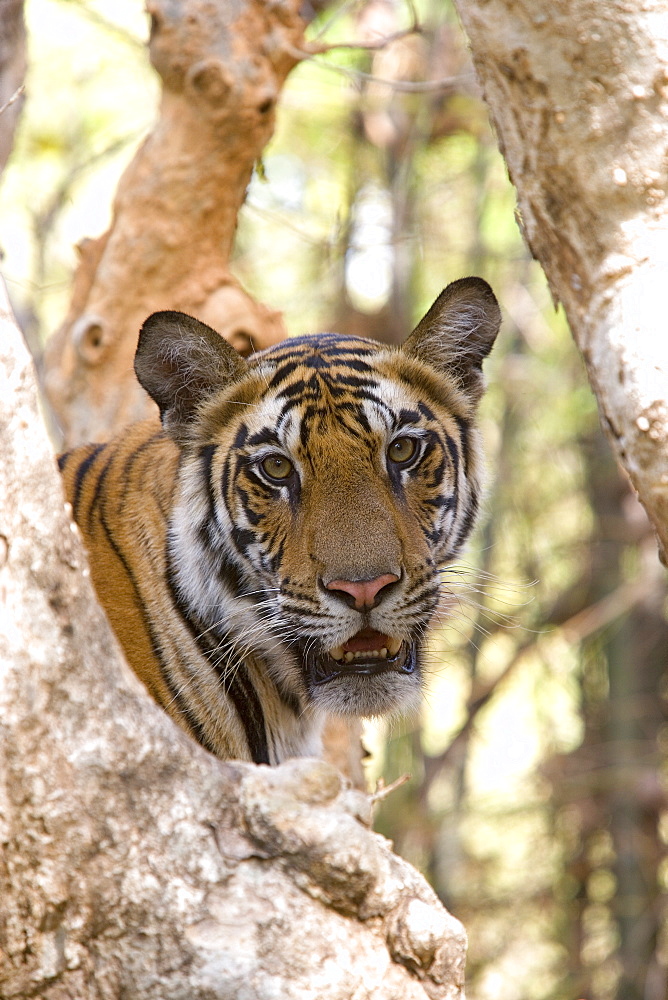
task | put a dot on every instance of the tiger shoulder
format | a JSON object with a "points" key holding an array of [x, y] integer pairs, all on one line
{"points": [[271, 550]]}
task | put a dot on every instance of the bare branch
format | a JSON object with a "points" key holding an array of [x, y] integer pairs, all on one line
{"points": [[383, 790], [15, 96], [442, 84]]}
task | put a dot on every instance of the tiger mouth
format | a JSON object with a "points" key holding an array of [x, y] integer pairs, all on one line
{"points": [[365, 654]]}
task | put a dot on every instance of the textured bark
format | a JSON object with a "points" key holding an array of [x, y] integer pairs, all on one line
{"points": [[12, 72], [134, 864], [578, 96], [222, 66]]}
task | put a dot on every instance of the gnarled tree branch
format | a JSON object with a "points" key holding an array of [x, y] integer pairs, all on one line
{"points": [[222, 67]]}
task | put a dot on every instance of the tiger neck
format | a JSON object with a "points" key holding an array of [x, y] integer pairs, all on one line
{"points": [[252, 674]]}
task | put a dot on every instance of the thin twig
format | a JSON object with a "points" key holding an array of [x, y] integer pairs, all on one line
{"points": [[383, 790], [318, 48], [15, 96], [404, 86], [335, 17]]}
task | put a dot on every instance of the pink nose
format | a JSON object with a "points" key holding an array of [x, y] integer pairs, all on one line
{"points": [[364, 592]]}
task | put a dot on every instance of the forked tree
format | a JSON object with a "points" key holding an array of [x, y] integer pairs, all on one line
{"points": [[133, 863]]}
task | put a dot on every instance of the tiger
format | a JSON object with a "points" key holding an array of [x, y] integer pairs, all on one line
{"points": [[269, 551]]}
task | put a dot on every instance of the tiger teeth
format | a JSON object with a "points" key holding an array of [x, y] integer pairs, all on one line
{"points": [[391, 649]]}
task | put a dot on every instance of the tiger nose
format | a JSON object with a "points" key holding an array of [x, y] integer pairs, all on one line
{"points": [[363, 592]]}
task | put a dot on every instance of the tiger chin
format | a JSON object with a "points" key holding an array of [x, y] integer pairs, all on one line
{"points": [[270, 552]]}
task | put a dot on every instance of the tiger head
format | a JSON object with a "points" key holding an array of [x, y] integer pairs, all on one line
{"points": [[323, 485]]}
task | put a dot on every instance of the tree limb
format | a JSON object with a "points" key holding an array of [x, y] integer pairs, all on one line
{"points": [[579, 101], [222, 68]]}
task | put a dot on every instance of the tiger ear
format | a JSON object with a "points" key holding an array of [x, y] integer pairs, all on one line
{"points": [[180, 362], [458, 332]]}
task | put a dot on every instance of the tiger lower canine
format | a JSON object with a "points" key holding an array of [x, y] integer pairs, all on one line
{"points": [[272, 552]]}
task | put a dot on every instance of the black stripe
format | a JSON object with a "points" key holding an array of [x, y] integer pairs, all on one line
{"points": [[238, 443], [433, 536], [230, 574], [266, 436], [369, 397], [277, 558], [436, 479], [283, 372], [175, 694], [467, 522], [464, 432], [335, 344], [267, 490], [453, 451], [305, 427], [80, 476], [426, 411], [233, 677], [352, 381], [253, 517], [358, 365], [440, 503], [359, 417], [243, 538], [99, 495], [237, 685], [310, 387]]}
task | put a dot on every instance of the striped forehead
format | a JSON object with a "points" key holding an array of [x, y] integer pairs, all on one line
{"points": [[313, 378], [328, 353]]}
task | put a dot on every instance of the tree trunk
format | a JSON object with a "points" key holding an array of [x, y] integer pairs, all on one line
{"points": [[578, 98], [134, 864], [222, 67], [12, 72]]}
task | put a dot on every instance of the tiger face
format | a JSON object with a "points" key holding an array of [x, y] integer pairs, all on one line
{"points": [[322, 486]]}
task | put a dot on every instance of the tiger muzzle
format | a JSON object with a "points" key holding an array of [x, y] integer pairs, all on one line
{"points": [[367, 653]]}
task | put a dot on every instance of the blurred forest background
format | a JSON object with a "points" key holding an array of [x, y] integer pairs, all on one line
{"points": [[537, 801]]}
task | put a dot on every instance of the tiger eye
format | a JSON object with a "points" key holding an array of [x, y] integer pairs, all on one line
{"points": [[276, 466], [402, 449]]}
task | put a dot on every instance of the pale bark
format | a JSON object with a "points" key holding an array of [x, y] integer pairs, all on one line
{"points": [[134, 864], [578, 94], [222, 67], [12, 72]]}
